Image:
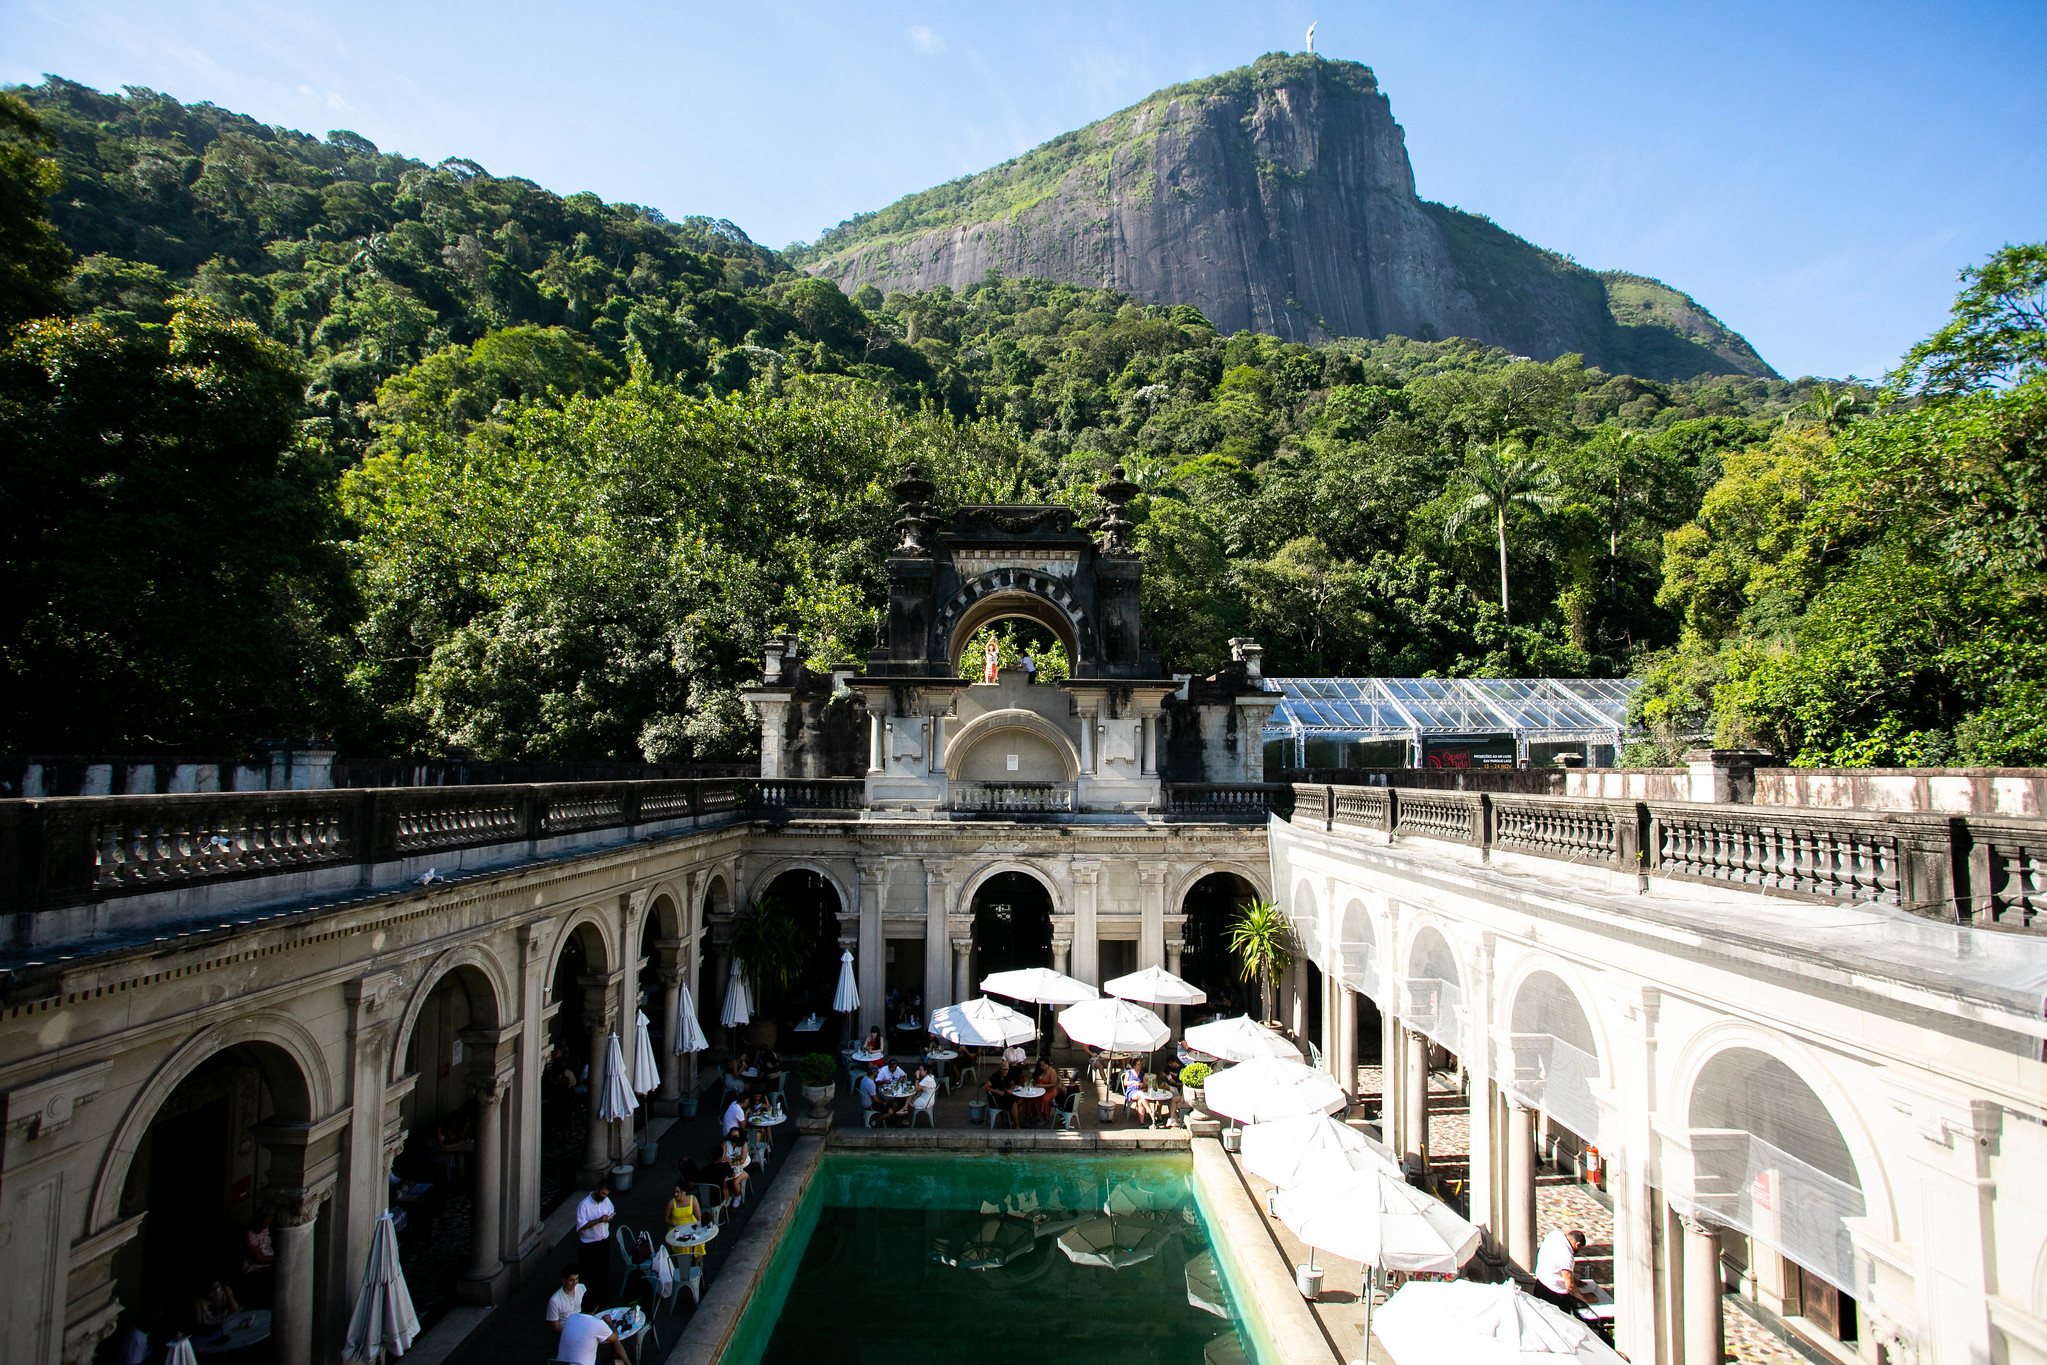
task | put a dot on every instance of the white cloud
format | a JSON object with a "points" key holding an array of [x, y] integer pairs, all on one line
{"points": [[925, 41]]}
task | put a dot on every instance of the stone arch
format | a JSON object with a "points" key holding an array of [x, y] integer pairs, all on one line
{"points": [[1304, 911], [715, 900], [1204, 901], [293, 1065], [1000, 935], [972, 885], [1567, 980], [1556, 1052], [842, 884], [1013, 592], [664, 907], [1258, 876], [988, 725], [599, 934], [1812, 1071], [493, 1002], [1434, 998], [1357, 944]]}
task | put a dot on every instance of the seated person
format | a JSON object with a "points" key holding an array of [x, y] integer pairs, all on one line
{"points": [[732, 1081], [872, 1043], [1132, 1086], [682, 1211], [927, 1090], [769, 1063], [888, 1074], [215, 1306], [864, 1088], [736, 1160], [996, 1088]]}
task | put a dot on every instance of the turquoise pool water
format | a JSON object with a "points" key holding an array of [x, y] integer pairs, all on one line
{"points": [[993, 1259]]}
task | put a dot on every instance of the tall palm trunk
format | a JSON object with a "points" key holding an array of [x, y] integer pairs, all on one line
{"points": [[1500, 524]]}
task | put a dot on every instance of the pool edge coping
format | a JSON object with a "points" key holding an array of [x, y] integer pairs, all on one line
{"points": [[1286, 1324], [716, 1319]]}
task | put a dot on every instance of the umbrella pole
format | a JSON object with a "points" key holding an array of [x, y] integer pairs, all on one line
{"points": [[1365, 1346]]}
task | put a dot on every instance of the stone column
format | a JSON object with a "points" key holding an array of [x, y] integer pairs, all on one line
{"points": [[937, 969], [1175, 946], [1347, 1041], [1061, 949], [484, 1279], [669, 973], [1389, 1074], [294, 1217], [1087, 743], [1151, 907], [871, 957], [1704, 1341], [962, 961], [1521, 1239], [1415, 1104], [599, 1011], [874, 751], [1087, 891], [1636, 1209], [1151, 745]]}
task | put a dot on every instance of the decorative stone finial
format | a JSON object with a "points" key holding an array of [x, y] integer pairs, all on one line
{"points": [[914, 491], [1116, 527]]}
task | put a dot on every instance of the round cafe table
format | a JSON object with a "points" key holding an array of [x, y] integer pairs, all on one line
{"points": [[245, 1328], [1033, 1094], [862, 1055], [690, 1236]]}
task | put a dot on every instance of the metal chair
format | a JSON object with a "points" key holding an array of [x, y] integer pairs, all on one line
{"points": [[994, 1113], [711, 1201], [1066, 1112], [927, 1111]]}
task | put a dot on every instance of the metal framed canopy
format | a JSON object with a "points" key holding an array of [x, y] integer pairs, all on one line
{"points": [[1591, 710]]}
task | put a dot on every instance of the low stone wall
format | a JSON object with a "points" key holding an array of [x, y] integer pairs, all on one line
{"points": [[711, 1327], [1931, 791]]}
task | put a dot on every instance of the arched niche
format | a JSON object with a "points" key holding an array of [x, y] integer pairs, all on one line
{"points": [[1554, 1053], [979, 751], [1012, 912], [1009, 594], [1358, 949], [1434, 1001], [1210, 904]]}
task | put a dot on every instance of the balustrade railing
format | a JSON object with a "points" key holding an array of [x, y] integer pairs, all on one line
{"points": [[811, 793], [1229, 800], [1011, 798], [1989, 871]]}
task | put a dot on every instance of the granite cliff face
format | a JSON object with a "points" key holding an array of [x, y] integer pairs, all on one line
{"points": [[1277, 197]]}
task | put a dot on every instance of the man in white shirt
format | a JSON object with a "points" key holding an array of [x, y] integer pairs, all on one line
{"points": [[582, 1334], [889, 1074], [565, 1302], [593, 1235], [1556, 1270], [733, 1117]]}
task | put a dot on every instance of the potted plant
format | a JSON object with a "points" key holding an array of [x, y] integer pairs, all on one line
{"points": [[816, 1072], [1192, 1077], [1264, 939]]}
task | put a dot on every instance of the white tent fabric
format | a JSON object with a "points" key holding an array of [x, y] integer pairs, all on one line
{"points": [[1241, 1039], [1114, 1026], [1290, 1152], [1112, 1243], [1377, 1219], [846, 998], [1465, 1323], [618, 1100], [1268, 1089], [982, 1023], [689, 1035], [646, 1069], [738, 1004], [384, 1323], [1155, 986], [1039, 986], [180, 1352]]}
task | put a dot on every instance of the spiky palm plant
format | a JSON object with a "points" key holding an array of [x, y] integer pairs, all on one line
{"points": [[1263, 938], [1499, 478]]}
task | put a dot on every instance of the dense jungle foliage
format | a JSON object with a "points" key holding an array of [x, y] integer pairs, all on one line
{"points": [[308, 438]]}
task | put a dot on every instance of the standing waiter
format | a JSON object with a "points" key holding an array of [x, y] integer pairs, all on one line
{"points": [[593, 1231]]}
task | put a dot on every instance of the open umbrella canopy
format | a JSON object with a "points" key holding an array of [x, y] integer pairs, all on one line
{"points": [[1039, 986], [1155, 986], [982, 1242], [618, 1101], [846, 998], [982, 1023], [1290, 1152], [1241, 1039], [384, 1323], [689, 1035], [646, 1070], [1114, 1026], [1112, 1243], [738, 1004], [1268, 1089], [1378, 1219], [1465, 1323], [1205, 1286]]}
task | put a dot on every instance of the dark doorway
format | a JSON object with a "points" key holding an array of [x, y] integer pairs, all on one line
{"points": [[565, 1079], [811, 902], [1207, 962], [1012, 924]]}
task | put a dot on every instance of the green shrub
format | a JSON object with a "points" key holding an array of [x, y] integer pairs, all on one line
{"points": [[1194, 1074], [817, 1069]]}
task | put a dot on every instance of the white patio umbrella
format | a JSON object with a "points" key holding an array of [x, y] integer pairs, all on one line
{"points": [[1290, 1152], [1268, 1089], [384, 1323], [618, 1100], [1465, 1323], [646, 1070], [982, 1023], [738, 1004], [1039, 986], [689, 1035], [846, 998], [1241, 1039], [1114, 1026], [180, 1352], [1155, 986], [1205, 1286], [1112, 1243]]}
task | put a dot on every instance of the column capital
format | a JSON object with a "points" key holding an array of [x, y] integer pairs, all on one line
{"points": [[1062, 945], [963, 945], [296, 1206], [488, 1087], [1697, 1225]]}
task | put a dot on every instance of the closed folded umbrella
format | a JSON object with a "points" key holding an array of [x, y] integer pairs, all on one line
{"points": [[1114, 1026], [1039, 986], [982, 1023], [1289, 1152], [689, 1035], [1268, 1089], [1241, 1039], [1155, 986], [738, 1004], [646, 1070], [618, 1100], [1462, 1322], [846, 998], [384, 1324], [180, 1352], [1112, 1243]]}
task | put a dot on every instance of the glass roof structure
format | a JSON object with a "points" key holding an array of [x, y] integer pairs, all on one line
{"points": [[1594, 709]]}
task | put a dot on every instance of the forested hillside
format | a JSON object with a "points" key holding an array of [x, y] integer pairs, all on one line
{"points": [[308, 438]]}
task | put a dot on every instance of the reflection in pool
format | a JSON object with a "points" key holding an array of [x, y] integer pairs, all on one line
{"points": [[992, 1259]]}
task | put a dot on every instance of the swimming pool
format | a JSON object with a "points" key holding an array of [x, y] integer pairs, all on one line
{"points": [[996, 1258]]}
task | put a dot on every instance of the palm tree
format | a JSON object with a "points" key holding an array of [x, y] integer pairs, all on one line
{"points": [[1831, 409], [1263, 937], [1501, 477], [772, 947]]}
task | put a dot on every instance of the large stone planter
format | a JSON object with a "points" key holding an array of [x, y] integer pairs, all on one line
{"points": [[820, 1097]]}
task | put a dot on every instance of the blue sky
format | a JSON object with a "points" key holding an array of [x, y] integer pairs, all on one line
{"points": [[1814, 174]]}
